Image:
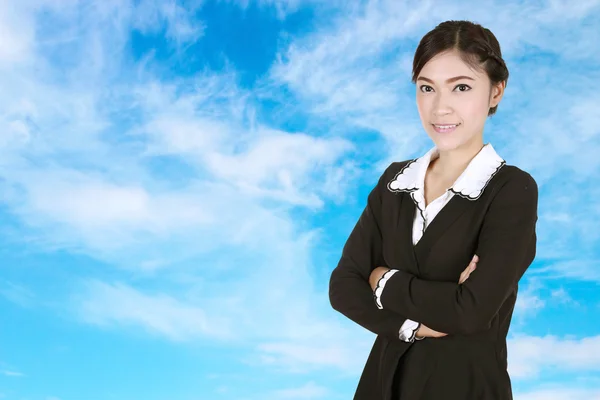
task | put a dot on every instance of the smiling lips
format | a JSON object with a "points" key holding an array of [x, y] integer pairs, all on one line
{"points": [[445, 128]]}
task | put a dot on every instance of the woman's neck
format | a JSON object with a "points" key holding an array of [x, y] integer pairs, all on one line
{"points": [[449, 165]]}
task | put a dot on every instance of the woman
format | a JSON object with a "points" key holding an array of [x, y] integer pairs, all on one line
{"points": [[407, 271]]}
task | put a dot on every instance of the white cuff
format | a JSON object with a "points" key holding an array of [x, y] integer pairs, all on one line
{"points": [[409, 324], [408, 330], [381, 285]]}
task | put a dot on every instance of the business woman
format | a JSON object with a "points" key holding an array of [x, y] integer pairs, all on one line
{"points": [[433, 264]]}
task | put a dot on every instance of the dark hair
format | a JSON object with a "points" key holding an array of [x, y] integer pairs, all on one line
{"points": [[477, 46]]}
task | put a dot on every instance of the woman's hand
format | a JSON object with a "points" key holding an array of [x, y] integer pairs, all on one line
{"points": [[425, 331], [376, 274], [467, 272]]}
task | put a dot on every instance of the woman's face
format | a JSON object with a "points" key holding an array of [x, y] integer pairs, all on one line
{"points": [[449, 92]]}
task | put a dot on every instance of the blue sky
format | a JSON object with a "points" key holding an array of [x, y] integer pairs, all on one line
{"points": [[177, 180]]}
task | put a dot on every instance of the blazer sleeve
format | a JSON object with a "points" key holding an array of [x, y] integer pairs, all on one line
{"points": [[349, 290], [506, 247]]}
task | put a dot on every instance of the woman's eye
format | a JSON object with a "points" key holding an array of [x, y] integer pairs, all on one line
{"points": [[461, 88]]}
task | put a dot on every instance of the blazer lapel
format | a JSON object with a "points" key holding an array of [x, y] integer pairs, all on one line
{"points": [[442, 222], [405, 223]]}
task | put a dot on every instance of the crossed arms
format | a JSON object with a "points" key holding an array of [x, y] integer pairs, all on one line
{"points": [[506, 248]]}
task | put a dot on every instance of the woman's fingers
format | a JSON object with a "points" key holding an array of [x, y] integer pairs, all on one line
{"points": [[467, 272], [470, 268], [425, 331]]}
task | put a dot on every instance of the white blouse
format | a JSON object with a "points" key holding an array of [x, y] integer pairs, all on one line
{"points": [[470, 184]]}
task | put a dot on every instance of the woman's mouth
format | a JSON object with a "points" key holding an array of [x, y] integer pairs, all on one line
{"points": [[446, 128]]}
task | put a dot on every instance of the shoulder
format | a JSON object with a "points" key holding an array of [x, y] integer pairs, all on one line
{"points": [[515, 189], [513, 178]]}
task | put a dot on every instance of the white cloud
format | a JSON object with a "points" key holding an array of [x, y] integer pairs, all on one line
{"points": [[119, 304], [285, 167], [530, 355], [96, 205]]}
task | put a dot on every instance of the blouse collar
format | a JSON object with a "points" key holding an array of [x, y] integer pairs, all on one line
{"points": [[470, 184]]}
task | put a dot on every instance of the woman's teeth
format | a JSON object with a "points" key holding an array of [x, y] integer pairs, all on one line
{"points": [[445, 128]]}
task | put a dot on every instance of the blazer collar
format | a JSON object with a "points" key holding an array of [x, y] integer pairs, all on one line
{"points": [[470, 184]]}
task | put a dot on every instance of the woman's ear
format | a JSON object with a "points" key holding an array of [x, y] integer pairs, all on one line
{"points": [[496, 93]]}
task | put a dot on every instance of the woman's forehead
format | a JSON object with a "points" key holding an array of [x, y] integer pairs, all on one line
{"points": [[448, 65]]}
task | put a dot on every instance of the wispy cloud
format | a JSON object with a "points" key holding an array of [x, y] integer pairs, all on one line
{"points": [[562, 296], [529, 300], [17, 294], [121, 305], [308, 391], [585, 269], [12, 374], [559, 393], [178, 17]]}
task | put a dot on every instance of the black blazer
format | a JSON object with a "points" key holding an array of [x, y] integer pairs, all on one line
{"points": [[471, 362]]}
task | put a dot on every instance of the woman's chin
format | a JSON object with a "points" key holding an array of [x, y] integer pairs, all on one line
{"points": [[446, 144], [452, 143]]}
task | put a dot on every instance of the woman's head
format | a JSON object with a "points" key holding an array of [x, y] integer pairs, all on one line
{"points": [[469, 51]]}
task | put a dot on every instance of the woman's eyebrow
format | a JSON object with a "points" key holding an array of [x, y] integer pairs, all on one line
{"points": [[456, 78]]}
